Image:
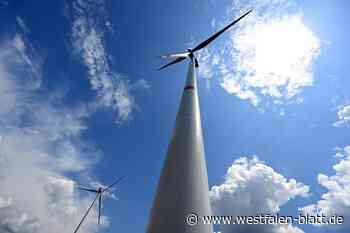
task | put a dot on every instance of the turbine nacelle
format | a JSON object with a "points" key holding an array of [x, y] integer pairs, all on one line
{"points": [[178, 57], [193, 57]]}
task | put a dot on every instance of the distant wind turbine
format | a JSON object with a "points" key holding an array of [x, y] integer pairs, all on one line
{"points": [[99, 192], [182, 196]]}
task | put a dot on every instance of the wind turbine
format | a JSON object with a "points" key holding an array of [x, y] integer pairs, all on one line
{"points": [[178, 57], [99, 192], [182, 196]]}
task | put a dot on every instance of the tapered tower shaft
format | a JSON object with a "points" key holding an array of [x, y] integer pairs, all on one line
{"points": [[183, 185]]}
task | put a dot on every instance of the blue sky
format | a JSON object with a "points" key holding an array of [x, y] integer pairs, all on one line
{"points": [[82, 103]]}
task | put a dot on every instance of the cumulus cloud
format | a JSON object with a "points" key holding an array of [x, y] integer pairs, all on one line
{"points": [[336, 200], [251, 188], [343, 115], [39, 145], [269, 55], [90, 24]]}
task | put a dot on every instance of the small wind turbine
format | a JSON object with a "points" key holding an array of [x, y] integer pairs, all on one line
{"points": [[99, 192]]}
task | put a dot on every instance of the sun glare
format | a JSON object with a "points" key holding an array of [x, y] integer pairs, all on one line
{"points": [[272, 58]]}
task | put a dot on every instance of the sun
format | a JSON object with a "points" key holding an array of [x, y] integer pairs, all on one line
{"points": [[272, 57]]}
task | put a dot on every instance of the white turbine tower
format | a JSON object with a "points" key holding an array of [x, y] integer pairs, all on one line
{"points": [[183, 193]]}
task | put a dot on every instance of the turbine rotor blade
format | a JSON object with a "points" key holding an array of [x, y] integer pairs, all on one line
{"points": [[89, 190], [196, 63], [114, 183], [99, 208], [213, 37], [173, 62], [87, 212], [175, 55]]}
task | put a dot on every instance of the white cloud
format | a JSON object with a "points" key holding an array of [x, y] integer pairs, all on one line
{"points": [[269, 55], [5, 203], [253, 188], [208, 60], [141, 84], [213, 22], [343, 115], [30, 60], [39, 144], [88, 34], [235, 88], [22, 25], [336, 201], [7, 97]]}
